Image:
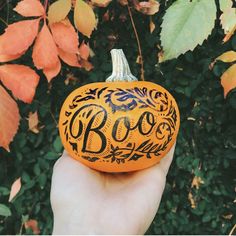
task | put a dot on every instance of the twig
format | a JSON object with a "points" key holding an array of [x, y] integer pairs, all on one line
{"points": [[4, 21], [138, 42], [232, 230]]}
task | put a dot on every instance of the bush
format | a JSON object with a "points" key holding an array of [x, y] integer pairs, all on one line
{"points": [[200, 192]]}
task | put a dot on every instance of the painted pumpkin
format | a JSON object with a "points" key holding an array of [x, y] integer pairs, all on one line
{"points": [[119, 125]]}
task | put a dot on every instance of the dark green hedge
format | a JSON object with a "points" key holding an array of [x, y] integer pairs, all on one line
{"points": [[206, 145]]}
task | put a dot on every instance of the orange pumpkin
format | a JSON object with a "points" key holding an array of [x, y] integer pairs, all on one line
{"points": [[119, 125]]}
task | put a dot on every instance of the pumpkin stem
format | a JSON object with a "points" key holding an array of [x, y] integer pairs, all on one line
{"points": [[120, 68]]}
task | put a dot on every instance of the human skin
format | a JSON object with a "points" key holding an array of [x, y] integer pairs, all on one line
{"points": [[85, 201]]}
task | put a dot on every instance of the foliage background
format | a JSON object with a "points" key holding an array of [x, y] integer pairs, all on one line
{"points": [[206, 146]]}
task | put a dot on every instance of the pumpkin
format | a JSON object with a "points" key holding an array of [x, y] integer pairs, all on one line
{"points": [[119, 125]]}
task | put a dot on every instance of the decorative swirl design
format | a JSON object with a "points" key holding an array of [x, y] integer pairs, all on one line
{"points": [[86, 120]]}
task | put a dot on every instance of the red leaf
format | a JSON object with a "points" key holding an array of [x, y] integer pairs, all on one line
{"points": [[30, 8], [52, 72], [18, 37], [33, 225], [9, 118], [21, 80], [6, 58], [84, 51], [45, 53], [15, 188], [65, 36], [69, 58]]}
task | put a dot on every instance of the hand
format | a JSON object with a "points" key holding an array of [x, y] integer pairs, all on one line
{"points": [[85, 201]]}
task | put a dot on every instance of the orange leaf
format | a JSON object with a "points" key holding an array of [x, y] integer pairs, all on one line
{"points": [[84, 51], [101, 3], [30, 8], [21, 80], [52, 72], [229, 35], [65, 36], [69, 58], [45, 53], [6, 58], [84, 18], [9, 118], [33, 122], [229, 56], [33, 225], [86, 65], [18, 37], [228, 79], [15, 188], [58, 11]]}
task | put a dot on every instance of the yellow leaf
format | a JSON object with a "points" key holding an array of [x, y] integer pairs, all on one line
{"points": [[84, 18], [15, 188], [196, 182], [228, 79], [58, 11], [33, 122], [229, 56], [101, 3], [152, 26], [192, 200]]}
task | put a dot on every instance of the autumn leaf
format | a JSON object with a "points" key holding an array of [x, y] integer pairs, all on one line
{"points": [[69, 58], [192, 200], [52, 72], [101, 3], [18, 37], [229, 56], [58, 11], [9, 118], [84, 51], [228, 16], [65, 36], [33, 122], [196, 182], [152, 25], [6, 58], [86, 65], [21, 80], [229, 35], [30, 8], [45, 53], [33, 225], [84, 18], [228, 79], [15, 188], [148, 8]]}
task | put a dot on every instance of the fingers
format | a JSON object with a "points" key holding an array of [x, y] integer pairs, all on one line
{"points": [[166, 161]]}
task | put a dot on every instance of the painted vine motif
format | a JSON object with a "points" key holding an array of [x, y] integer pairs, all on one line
{"points": [[86, 117]]}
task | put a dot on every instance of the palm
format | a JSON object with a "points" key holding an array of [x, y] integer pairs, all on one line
{"points": [[86, 201]]}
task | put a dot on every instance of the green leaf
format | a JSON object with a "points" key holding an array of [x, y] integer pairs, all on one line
{"points": [[185, 25], [57, 145], [4, 210], [4, 191]]}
